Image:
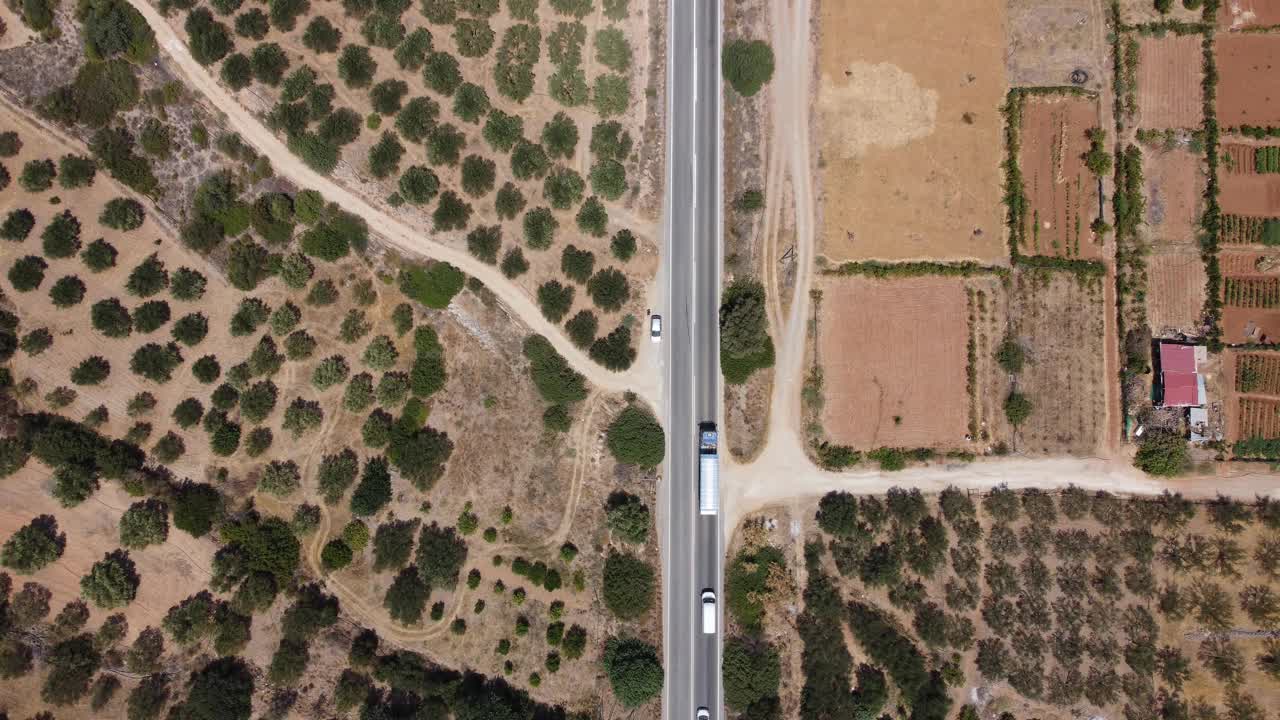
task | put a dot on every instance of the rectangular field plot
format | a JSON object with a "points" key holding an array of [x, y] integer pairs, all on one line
{"points": [[1175, 183], [894, 355], [1062, 195], [1258, 373], [1249, 230], [1240, 14], [1169, 73], [1258, 417], [909, 129], [1175, 293], [1250, 325], [1251, 292], [1249, 85]]}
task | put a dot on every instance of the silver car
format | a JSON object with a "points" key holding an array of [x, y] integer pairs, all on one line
{"points": [[655, 328]]}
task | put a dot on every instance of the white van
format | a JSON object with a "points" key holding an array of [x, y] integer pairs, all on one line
{"points": [[708, 612]]}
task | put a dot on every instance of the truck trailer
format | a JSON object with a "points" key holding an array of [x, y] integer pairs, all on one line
{"points": [[708, 470]]}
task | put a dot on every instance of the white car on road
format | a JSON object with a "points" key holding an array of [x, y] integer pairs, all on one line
{"points": [[708, 612], [655, 328]]}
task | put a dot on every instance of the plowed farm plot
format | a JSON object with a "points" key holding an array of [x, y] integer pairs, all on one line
{"points": [[1062, 195], [893, 354], [1240, 14], [1258, 417], [1175, 293], [1258, 373], [1175, 186], [1249, 263], [1251, 292], [1249, 72], [1169, 76]]}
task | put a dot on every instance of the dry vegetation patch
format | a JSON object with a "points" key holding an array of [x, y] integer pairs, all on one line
{"points": [[1062, 194], [908, 119], [1175, 292]]}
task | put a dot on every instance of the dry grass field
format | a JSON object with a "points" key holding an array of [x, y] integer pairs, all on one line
{"points": [[1175, 293], [1169, 76], [909, 129], [1062, 195], [1175, 190], [1059, 320], [906, 388], [1046, 43], [1249, 90]]}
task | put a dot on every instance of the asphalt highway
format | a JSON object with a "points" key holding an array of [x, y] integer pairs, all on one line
{"points": [[693, 542]]}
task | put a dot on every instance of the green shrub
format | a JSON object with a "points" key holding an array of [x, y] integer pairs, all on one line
{"points": [[356, 66], [609, 289], [752, 671], [563, 188], [407, 596], [418, 118], [745, 345], [37, 175], [91, 371], [207, 38], [122, 214], [636, 437], [452, 212], [335, 555], [321, 36], [555, 379], [253, 24], [634, 669], [384, 157], [747, 65], [147, 278], [484, 242], [555, 299], [383, 30], [611, 94], [61, 237], [592, 218], [155, 362], [388, 96], [514, 264], [473, 37], [503, 131], [432, 286], [76, 171], [33, 546], [17, 225], [1162, 454], [151, 316], [1017, 407], [67, 291], [529, 161], [441, 73], [411, 54], [628, 585]]}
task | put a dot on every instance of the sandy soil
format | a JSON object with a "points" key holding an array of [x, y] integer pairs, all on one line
{"points": [[1249, 90], [1257, 195], [1062, 195], [1175, 189], [1046, 42], [1235, 321], [1175, 293], [1246, 263], [1239, 14], [1169, 75], [908, 116], [399, 234], [905, 386]]}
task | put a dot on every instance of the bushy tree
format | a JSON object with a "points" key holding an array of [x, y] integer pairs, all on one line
{"points": [[636, 437], [27, 273], [145, 523], [112, 581], [627, 585], [441, 73], [634, 669], [555, 299], [72, 665], [61, 237], [407, 596], [747, 65], [321, 36], [33, 546], [356, 66]]}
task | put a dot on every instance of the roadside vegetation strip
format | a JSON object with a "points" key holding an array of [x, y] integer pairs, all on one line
{"points": [[882, 270]]}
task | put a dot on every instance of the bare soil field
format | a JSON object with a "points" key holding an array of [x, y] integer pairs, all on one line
{"points": [[1062, 195], [1237, 324], [1248, 263], [1059, 320], [1175, 293], [1169, 75], [908, 119], [1241, 14], [1056, 593], [1249, 90], [910, 390], [1175, 189], [1045, 43]]}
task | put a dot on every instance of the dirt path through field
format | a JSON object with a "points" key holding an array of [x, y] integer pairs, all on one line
{"points": [[790, 168], [640, 379]]}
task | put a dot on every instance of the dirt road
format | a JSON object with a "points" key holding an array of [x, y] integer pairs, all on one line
{"points": [[640, 379]]}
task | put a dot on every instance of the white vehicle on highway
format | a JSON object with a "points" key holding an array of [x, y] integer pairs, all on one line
{"points": [[708, 612], [704, 714], [655, 328]]}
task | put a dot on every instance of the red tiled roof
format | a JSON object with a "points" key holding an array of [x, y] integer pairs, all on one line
{"points": [[1177, 358], [1180, 388]]}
